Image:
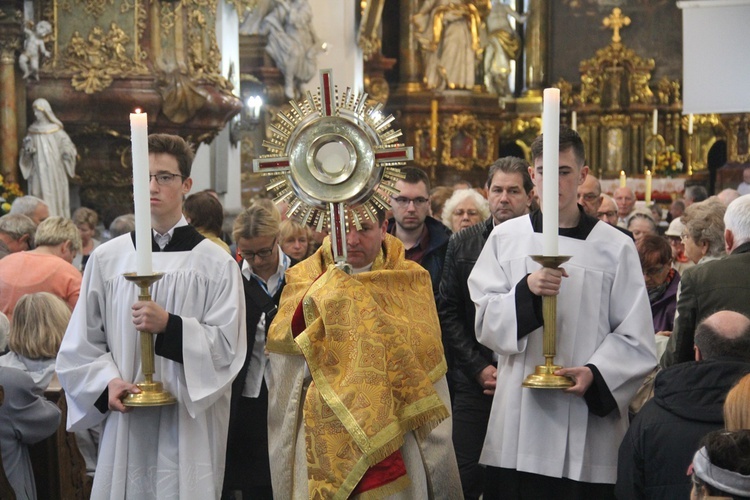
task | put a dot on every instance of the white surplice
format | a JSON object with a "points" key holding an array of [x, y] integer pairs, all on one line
{"points": [[164, 452], [603, 318]]}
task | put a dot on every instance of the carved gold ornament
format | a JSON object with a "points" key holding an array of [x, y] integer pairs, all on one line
{"points": [[467, 142]]}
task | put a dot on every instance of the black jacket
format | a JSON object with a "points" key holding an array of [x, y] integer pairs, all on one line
{"points": [[435, 254], [455, 307], [662, 439]]}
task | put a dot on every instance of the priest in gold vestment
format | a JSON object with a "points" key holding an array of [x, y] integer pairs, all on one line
{"points": [[358, 401]]}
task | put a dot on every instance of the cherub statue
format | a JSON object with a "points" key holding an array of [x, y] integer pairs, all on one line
{"points": [[34, 44]]}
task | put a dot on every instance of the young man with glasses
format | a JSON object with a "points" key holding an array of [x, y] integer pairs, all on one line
{"points": [[425, 239], [197, 314]]}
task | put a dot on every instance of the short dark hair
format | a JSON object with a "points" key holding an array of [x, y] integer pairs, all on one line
{"points": [[173, 145], [696, 193], [713, 344], [653, 249], [205, 212], [569, 138], [414, 175], [511, 165]]}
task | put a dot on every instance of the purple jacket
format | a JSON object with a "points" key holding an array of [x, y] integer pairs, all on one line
{"points": [[663, 310]]}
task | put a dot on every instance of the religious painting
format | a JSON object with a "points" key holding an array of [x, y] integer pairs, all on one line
{"points": [[467, 142], [655, 31]]}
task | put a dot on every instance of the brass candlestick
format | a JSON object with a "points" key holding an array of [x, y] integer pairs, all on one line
{"points": [[152, 393], [544, 376]]}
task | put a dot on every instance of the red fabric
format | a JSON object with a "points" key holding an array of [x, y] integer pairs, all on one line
{"points": [[298, 320], [382, 473]]}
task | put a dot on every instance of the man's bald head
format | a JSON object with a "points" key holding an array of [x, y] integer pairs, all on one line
{"points": [[723, 334], [625, 199]]}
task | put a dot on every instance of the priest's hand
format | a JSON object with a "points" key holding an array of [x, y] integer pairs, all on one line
{"points": [[582, 376], [118, 389], [148, 316], [546, 281], [487, 378]]}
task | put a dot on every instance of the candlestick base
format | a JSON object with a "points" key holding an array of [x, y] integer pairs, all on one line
{"points": [[544, 378], [152, 394]]}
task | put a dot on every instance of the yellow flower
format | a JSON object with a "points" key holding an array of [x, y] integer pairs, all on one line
{"points": [[5, 207]]}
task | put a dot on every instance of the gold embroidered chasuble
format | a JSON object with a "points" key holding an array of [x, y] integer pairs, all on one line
{"points": [[373, 347]]}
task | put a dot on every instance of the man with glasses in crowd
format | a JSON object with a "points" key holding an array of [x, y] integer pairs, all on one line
{"points": [[590, 196], [425, 239], [198, 317]]}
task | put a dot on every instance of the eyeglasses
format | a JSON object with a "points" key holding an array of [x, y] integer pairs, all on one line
{"points": [[611, 213], [589, 196], [163, 179], [262, 253], [685, 236], [460, 212], [403, 201]]}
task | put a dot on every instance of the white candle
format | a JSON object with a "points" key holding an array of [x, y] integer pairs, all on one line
{"points": [[648, 187], [574, 121], [690, 124], [655, 126], [139, 141], [623, 179], [550, 170]]}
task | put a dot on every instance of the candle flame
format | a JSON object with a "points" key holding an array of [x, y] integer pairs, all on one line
{"points": [[138, 110]]}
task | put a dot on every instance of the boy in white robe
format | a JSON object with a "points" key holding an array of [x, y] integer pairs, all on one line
{"points": [[561, 443], [197, 314]]}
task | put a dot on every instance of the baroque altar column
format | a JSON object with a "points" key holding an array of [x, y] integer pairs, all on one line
{"points": [[536, 47], [409, 77], [11, 32]]}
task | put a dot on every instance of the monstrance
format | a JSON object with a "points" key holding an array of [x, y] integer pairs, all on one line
{"points": [[333, 159]]}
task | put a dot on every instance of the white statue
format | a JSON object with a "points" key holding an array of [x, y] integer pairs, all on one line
{"points": [[48, 158], [448, 31], [502, 47], [292, 43], [34, 44]]}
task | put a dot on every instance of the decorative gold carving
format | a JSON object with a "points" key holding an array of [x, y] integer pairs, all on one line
{"points": [[566, 92], [667, 91], [616, 76], [242, 7], [99, 58], [616, 21], [467, 142], [167, 16], [738, 137], [94, 8], [424, 156]]}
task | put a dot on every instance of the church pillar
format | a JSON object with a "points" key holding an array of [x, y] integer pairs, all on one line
{"points": [[536, 47], [409, 51], [10, 41]]}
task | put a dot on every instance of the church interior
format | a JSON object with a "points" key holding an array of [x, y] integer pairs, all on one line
{"points": [[463, 80]]}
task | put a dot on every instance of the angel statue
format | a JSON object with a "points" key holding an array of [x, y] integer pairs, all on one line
{"points": [[502, 47], [48, 158], [34, 44], [292, 43]]}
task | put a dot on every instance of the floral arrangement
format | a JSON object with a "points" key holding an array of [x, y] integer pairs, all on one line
{"points": [[9, 191], [668, 162]]}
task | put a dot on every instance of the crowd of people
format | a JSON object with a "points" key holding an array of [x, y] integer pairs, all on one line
{"points": [[400, 377]]}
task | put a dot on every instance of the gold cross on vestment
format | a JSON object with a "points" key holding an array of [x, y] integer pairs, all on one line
{"points": [[615, 22]]}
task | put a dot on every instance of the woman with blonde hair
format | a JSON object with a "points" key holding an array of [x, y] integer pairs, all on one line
{"points": [[38, 325], [86, 221], [737, 406], [294, 239]]}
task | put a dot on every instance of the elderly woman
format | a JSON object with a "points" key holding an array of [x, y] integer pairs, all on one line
{"points": [[661, 279], [641, 224], [85, 220], [294, 239], [465, 208], [704, 231]]}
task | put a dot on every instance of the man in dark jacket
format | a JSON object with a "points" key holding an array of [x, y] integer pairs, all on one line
{"points": [[473, 370], [425, 239], [715, 285], [687, 404]]}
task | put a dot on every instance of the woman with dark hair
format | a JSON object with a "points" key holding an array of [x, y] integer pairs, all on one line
{"points": [[721, 468], [662, 281]]}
